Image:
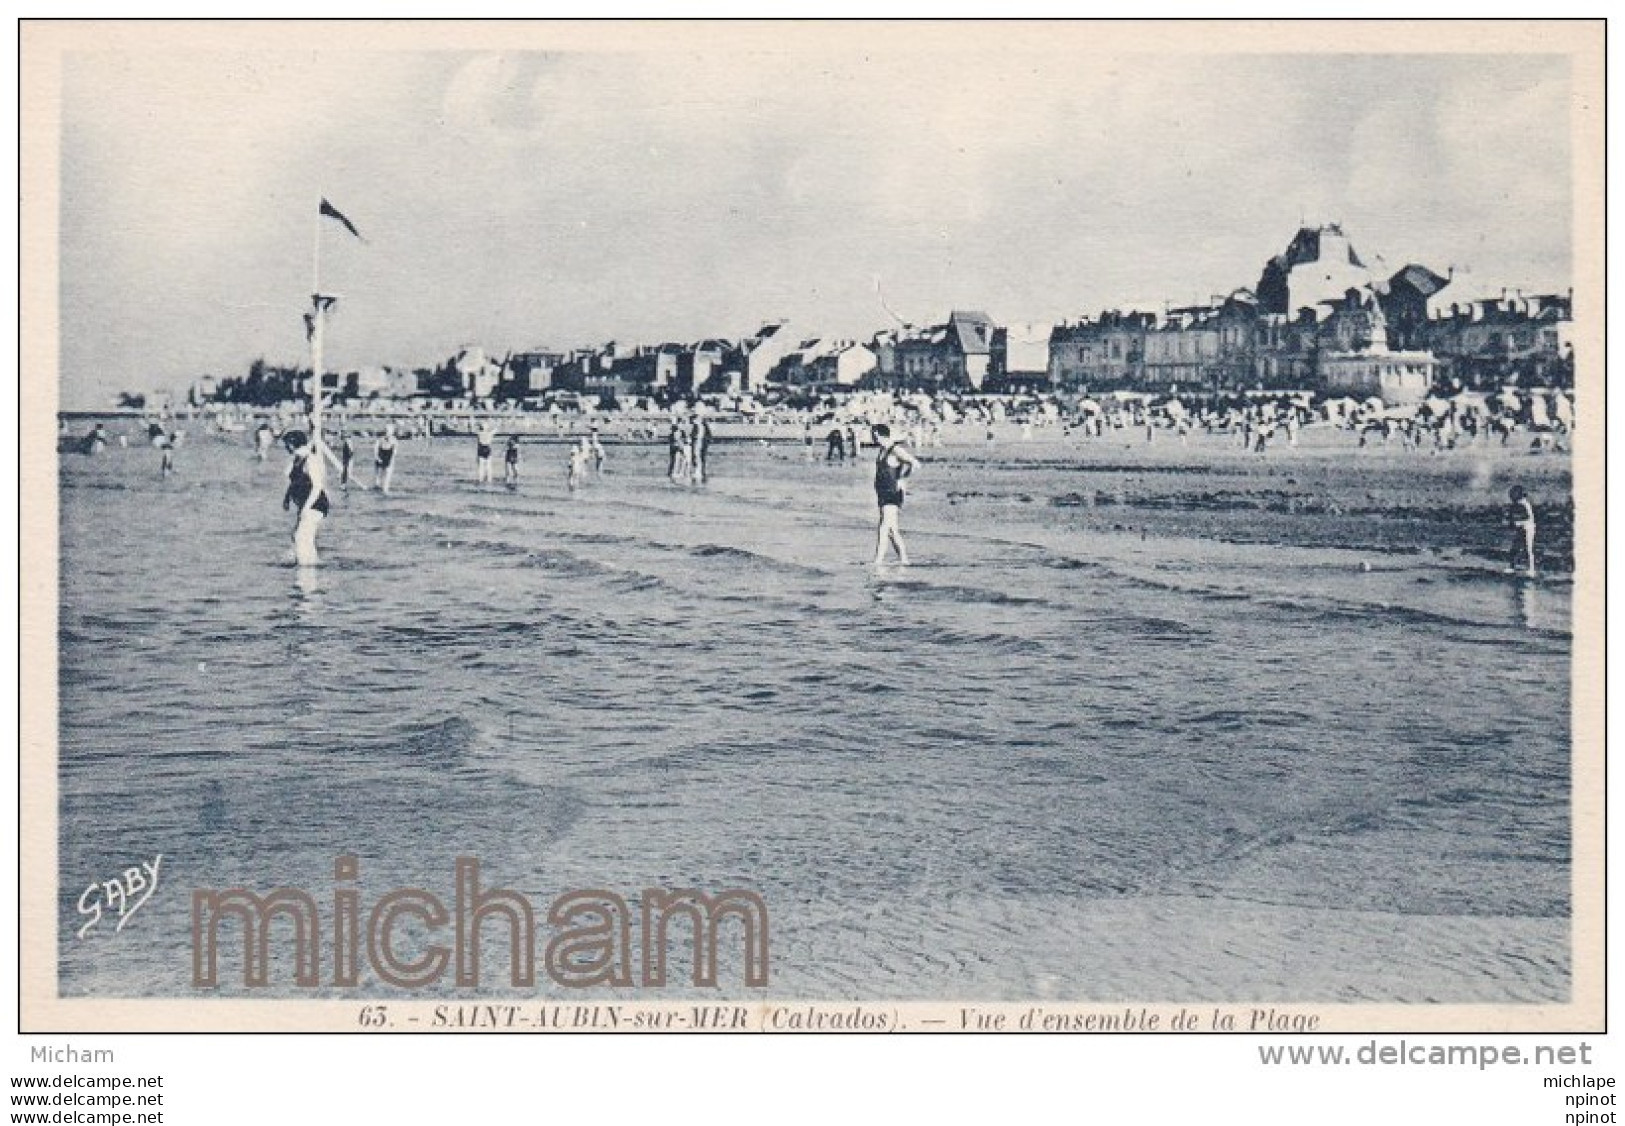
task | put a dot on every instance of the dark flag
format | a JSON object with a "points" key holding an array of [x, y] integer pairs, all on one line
{"points": [[323, 302], [333, 213]]}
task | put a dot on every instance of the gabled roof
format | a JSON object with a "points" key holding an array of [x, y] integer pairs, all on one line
{"points": [[1421, 279], [973, 331]]}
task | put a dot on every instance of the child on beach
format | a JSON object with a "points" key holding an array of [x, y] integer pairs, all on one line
{"points": [[1521, 519]]}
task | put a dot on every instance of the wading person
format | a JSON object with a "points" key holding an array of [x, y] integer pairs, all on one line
{"points": [[892, 465], [383, 460], [836, 443], [580, 458], [166, 444], [700, 444], [677, 449], [597, 451], [346, 458], [306, 495], [1521, 519], [510, 462], [484, 438]]}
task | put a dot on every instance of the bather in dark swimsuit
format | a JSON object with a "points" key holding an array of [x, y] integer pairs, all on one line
{"points": [[299, 486], [888, 480]]}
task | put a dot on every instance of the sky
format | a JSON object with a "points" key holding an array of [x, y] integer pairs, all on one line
{"points": [[529, 199]]}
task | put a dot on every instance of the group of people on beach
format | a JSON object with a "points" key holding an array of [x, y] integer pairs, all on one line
{"points": [[384, 448], [307, 497], [586, 456], [688, 444], [159, 436], [1256, 421], [689, 439]]}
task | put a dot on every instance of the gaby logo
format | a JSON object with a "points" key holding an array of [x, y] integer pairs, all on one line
{"points": [[126, 893], [400, 938]]}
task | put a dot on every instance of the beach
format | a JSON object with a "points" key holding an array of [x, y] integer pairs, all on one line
{"points": [[1142, 721]]}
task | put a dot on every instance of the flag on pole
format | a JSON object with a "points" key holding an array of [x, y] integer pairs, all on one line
{"points": [[334, 213], [323, 302]]}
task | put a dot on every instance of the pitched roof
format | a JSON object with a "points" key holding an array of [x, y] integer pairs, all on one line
{"points": [[1421, 279], [973, 331]]}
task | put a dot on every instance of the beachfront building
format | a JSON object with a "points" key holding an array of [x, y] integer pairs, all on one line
{"points": [[470, 375], [884, 346], [1100, 353], [700, 365], [948, 357], [793, 368], [1018, 358], [476, 371], [593, 371], [971, 344], [1507, 337], [531, 374], [1239, 324], [1285, 351], [1405, 304], [1353, 323], [763, 352], [1318, 265], [1393, 377], [371, 382], [1181, 349], [844, 364], [646, 370]]}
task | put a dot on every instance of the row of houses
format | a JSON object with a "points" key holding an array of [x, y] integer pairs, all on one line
{"points": [[1319, 317], [1318, 313]]}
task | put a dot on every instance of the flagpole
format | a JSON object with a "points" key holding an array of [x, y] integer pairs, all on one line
{"points": [[316, 332]]}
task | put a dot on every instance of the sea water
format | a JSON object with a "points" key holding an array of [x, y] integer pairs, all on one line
{"points": [[1057, 712]]}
